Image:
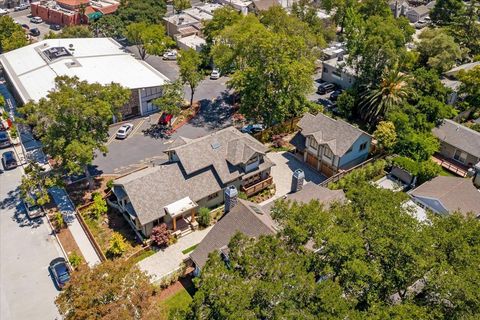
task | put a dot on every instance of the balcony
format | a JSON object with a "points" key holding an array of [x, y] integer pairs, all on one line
{"points": [[451, 165], [257, 187]]}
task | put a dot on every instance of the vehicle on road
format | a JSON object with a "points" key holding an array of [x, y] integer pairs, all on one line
{"points": [[9, 160], [59, 269], [421, 24], [26, 26], [4, 140], [35, 32], [165, 119], [124, 131], [32, 207], [252, 128], [335, 94], [36, 20], [23, 6], [215, 74], [170, 55], [55, 27], [3, 12], [325, 88]]}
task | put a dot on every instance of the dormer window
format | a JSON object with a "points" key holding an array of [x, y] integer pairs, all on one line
{"points": [[313, 144]]}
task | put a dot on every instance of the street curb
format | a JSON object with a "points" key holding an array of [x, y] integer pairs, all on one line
{"points": [[58, 241]]}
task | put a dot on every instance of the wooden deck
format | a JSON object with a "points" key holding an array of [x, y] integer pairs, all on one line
{"points": [[257, 187], [451, 165]]}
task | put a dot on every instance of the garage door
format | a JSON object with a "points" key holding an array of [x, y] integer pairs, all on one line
{"points": [[312, 160]]}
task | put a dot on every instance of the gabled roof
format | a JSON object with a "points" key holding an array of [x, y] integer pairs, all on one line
{"points": [[337, 134], [459, 136], [152, 189], [246, 217], [465, 67], [223, 150], [453, 193]]}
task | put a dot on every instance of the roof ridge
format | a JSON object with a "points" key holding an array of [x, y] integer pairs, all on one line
{"points": [[462, 126]]}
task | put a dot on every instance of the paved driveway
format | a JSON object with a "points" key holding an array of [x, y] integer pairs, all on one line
{"points": [[26, 249], [168, 260], [23, 17], [285, 164]]}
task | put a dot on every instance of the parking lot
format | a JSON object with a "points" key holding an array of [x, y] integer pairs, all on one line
{"points": [[322, 99], [23, 17]]}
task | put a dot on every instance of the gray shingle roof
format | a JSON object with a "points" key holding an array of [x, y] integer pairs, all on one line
{"points": [[223, 150], [242, 218], [454, 193], [312, 191], [151, 189], [337, 134], [459, 136]]}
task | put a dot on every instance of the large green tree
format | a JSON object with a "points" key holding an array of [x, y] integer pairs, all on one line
{"points": [[189, 63], [438, 50], [149, 39], [71, 32], [12, 35], [72, 121], [470, 87], [171, 100], [148, 11], [109, 25], [272, 71], [447, 11]]}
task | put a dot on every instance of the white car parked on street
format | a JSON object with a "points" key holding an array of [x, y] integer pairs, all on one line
{"points": [[215, 74], [124, 131]]}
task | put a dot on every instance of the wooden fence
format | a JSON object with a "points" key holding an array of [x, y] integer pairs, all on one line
{"points": [[90, 237]]}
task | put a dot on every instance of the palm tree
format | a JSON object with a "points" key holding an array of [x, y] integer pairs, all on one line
{"points": [[393, 90]]}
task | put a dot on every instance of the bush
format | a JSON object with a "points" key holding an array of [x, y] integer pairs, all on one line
{"points": [[242, 195], [58, 220], [424, 171], [110, 184], [161, 235], [13, 132], [278, 141], [75, 259], [204, 217], [118, 246], [98, 208], [357, 176]]}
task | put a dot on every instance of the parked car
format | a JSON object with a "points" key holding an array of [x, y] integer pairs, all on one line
{"points": [[334, 95], [170, 55], [9, 160], [421, 24], [32, 208], [325, 88], [59, 269], [55, 27], [36, 20], [252, 128], [124, 131], [21, 7], [4, 139], [26, 26], [215, 74], [165, 119], [35, 32]]}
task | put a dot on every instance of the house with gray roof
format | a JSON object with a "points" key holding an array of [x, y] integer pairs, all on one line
{"points": [[445, 195], [458, 143], [330, 145], [195, 176], [254, 221], [416, 14]]}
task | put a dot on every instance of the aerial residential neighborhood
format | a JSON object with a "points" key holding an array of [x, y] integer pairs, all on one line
{"points": [[232, 159]]}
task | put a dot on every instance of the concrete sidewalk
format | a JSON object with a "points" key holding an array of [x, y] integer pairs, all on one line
{"points": [[169, 259], [66, 207]]}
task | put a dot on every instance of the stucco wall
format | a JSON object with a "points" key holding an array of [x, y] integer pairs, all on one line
{"points": [[342, 79]]}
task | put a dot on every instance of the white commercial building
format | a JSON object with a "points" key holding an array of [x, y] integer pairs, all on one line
{"points": [[31, 70]]}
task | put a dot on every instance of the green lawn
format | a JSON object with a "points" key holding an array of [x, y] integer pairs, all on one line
{"points": [[446, 173], [179, 301], [190, 249]]}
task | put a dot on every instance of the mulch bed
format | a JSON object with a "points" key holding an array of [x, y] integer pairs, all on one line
{"points": [[184, 283]]}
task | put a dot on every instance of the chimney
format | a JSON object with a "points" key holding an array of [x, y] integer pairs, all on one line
{"points": [[297, 180], [231, 198], [476, 180], [340, 57]]}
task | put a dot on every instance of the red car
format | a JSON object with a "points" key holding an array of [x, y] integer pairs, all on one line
{"points": [[165, 119]]}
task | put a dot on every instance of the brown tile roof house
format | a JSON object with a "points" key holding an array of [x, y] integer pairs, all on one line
{"points": [[448, 194], [197, 172], [459, 136], [254, 221]]}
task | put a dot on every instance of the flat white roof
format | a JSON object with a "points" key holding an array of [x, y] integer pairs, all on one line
{"points": [[92, 59], [192, 41]]}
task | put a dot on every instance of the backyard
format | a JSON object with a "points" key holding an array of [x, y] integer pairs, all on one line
{"points": [[176, 297]]}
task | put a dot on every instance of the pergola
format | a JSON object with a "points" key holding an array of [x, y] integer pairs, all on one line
{"points": [[180, 208]]}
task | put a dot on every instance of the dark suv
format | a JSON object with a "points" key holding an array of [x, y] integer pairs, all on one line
{"points": [[9, 161], [325, 88], [4, 139]]}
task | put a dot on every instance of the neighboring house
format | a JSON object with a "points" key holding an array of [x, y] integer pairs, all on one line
{"points": [[331, 145], [72, 12], [262, 5], [196, 176], [182, 24], [191, 42], [31, 70], [458, 143], [254, 220], [337, 71], [399, 7], [334, 50], [451, 81], [240, 5], [445, 195], [416, 14]]}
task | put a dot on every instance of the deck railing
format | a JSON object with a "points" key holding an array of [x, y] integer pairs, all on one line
{"points": [[257, 187]]}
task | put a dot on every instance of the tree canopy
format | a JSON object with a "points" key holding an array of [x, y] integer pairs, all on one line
{"points": [[189, 66], [148, 38], [72, 120], [12, 35], [71, 32]]}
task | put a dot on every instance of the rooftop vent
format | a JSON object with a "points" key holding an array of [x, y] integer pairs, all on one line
{"points": [[215, 145]]}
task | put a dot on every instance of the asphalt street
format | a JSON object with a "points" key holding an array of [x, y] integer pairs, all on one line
{"points": [[26, 249]]}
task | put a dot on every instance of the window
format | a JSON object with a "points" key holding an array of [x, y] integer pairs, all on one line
{"points": [[363, 146], [460, 156], [312, 143], [325, 70], [328, 153], [252, 160]]}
